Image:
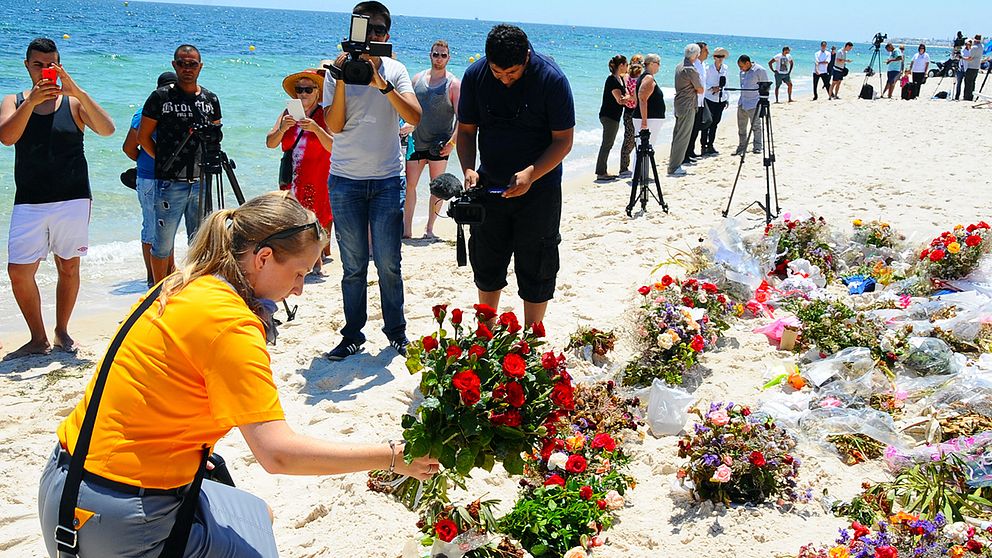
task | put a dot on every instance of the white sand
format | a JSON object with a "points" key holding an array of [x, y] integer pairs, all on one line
{"points": [[920, 165]]}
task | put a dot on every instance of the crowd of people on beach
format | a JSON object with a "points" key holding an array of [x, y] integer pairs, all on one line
{"points": [[633, 97]]}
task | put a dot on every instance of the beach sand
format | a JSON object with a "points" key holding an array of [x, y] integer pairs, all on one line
{"points": [[920, 165]]}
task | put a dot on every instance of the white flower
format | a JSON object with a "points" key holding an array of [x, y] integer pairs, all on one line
{"points": [[957, 532], [665, 341], [702, 297], [577, 552], [557, 460]]}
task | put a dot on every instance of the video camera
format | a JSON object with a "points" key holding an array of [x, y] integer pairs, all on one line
{"points": [[463, 205], [210, 135], [764, 88], [879, 39], [356, 71]]}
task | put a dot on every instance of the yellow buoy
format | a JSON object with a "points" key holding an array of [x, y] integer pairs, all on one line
{"points": [[477, 56], [471, 59], [339, 47], [251, 48], [66, 36]]}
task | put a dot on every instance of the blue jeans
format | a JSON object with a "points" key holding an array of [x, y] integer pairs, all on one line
{"points": [[361, 207], [146, 199], [174, 201]]}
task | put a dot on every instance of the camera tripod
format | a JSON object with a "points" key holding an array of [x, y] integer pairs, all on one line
{"points": [[876, 58], [640, 184], [764, 115]]}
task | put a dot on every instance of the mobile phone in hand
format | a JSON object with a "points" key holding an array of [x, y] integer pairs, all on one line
{"points": [[51, 74]]}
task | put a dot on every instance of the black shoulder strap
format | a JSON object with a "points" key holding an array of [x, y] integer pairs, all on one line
{"points": [[65, 531], [18, 99]]}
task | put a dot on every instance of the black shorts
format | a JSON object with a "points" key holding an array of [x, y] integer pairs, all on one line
{"points": [[426, 155], [525, 228]]}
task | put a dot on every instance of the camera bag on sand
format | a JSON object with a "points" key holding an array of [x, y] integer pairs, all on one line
{"points": [[867, 92], [66, 536], [909, 91]]}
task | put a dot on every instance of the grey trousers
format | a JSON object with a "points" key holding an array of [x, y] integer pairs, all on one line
{"points": [[610, 128], [743, 117], [680, 138]]}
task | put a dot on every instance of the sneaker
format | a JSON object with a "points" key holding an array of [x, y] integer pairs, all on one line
{"points": [[710, 151], [756, 151], [688, 162], [345, 349], [738, 151], [678, 172], [625, 174], [399, 344]]}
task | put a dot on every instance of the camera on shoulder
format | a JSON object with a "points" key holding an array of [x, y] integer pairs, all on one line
{"points": [[356, 71]]}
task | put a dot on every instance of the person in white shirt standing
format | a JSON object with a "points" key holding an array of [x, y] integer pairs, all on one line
{"points": [[715, 97], [840, 69], [974, 66], [697, 126], [919, 67], [822, 59], [782, 65]]}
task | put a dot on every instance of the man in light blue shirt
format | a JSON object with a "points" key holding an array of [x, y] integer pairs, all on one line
{"points": [[893, 66], [747, 106]]}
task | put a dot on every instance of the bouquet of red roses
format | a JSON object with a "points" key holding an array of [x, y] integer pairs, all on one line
{"points": [[489, 394]]}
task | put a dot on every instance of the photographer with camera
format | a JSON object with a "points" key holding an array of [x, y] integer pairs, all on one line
{"points": [[52, 198], [518, 104], [753, 77], [166, 133], [366, 93]]}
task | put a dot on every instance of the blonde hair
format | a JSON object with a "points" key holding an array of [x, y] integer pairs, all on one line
{"points": [[637, 59], [228, 234], [635, 70]]}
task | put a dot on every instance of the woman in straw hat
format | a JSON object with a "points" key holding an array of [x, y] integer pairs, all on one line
{"points": [[310, 144]]}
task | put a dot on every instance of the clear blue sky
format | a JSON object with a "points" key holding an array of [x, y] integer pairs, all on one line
{"points": [[838, 19]]}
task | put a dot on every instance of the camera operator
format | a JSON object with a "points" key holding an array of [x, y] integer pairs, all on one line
{"points": [[894, 65], [169, 114], [367, 185], [974, 66], [961, 68], [747, 105], [518, 104]]}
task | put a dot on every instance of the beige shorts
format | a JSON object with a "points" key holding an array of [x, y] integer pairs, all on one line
{"points": [[36, 229]]}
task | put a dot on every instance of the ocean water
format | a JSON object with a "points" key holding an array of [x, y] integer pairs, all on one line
{"points": [[116, 50]]}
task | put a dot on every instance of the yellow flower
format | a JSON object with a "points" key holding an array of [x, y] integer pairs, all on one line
{"points": [[839, 552], [956, 551], [857, 222], [958, 227], [954, 247], [883, 225], [575, 443]]}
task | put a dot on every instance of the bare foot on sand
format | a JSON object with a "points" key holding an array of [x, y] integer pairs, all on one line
{"points": [[65, 343], [30, 348]]}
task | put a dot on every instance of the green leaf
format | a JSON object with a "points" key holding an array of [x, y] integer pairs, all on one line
{"points": [[430, 403], [418, 447], [538, 549], [408, 421], [514, 463], [413, 363], [488, 461], [447, 457], [465, 460]]}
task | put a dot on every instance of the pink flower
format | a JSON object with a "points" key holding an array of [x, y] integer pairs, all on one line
{"points": [[721, 475], [719, 418], [614, 500]]}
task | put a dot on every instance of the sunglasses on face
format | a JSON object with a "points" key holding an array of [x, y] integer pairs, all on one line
{"points": [[305, 89], [286, 233], [439, 55], [378, 30], [720, 56], [188, 64]]}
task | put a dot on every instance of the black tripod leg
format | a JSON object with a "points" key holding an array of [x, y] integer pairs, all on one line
{"points": [[771, 162], [233, 180], [657, 184], [634, 181]]}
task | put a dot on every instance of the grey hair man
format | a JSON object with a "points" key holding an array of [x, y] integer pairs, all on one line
{"points": [[688, 86]]}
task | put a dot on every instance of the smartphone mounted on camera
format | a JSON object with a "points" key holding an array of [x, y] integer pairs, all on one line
{"points": [[356, 71]]}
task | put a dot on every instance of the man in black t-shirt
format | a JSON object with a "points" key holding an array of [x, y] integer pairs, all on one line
{"points": [[518, 104], [170, 113]]}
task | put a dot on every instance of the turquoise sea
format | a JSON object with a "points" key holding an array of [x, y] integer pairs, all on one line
{"points": [[115, 50]]}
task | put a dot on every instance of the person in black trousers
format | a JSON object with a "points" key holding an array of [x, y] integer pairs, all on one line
{"points": [[611, 111], [716, 99]]}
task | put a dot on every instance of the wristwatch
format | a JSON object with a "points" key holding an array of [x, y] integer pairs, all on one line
{"points": [[389, 87]]}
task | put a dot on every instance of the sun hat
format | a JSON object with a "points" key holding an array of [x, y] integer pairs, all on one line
{"points": [[289, 83], [721, 51]]}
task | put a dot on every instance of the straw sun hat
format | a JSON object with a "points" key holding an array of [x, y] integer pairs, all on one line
{"points": [[289, 83]]}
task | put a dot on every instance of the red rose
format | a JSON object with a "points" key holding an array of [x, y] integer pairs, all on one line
{"points": [[576, 464], [667, 280], [547, 448], [757, 459], [509, 320], [471, 396], [859, 530], [686, 301], [585, 492], [554, 480], [538, 329], [644, 290], [746, 411], [982, 225], [484, 312], [465, 380], [936, 255], [514, 365], [601, 504], [456, 316], [886, 552], [788, 459], [604, 441], [973, 240], [562, 395], [454, 351], [523, 347], [483, 332], [710, 288], [548, 361], [721, 299], [478, 351], [446, 530], [974, 546], [439, 311], [515, 394], [697, 343], [429, 343], [691, 284], [509, 418]]}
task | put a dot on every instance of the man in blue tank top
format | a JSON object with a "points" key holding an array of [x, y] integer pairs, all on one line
{"points": [[52, 189]]}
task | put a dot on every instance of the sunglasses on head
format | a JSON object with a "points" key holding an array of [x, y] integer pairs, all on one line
{"points": [[305, 89], [439, 55], [378, 29], [189, 64], [286, 233]]}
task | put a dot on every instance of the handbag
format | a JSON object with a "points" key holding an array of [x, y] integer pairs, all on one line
{"points": [[66, 536], [845, 71], [286, 165], [707, 119]]}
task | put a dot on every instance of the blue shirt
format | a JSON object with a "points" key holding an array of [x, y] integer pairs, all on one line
{"points": [[750, 80], [515, 123], [894, 66], [146, 165]]}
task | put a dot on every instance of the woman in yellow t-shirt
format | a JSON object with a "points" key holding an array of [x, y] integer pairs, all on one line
{"points": [[191, 367]]}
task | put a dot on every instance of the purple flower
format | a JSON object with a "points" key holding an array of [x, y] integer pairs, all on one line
{"points": [[711, 460], [701, 429], [844, 537]]}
